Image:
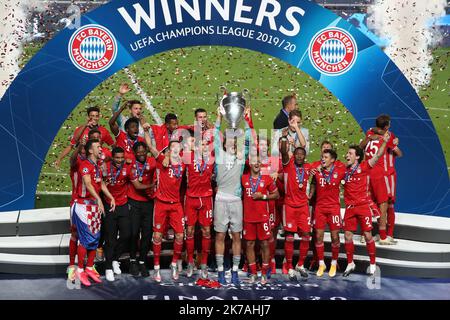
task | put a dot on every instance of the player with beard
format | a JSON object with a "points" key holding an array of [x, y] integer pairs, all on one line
{"points": [[327, 207], [296, 217], [87, 209], [356, 198], [82, 132], [118, 175], [128, 138]]}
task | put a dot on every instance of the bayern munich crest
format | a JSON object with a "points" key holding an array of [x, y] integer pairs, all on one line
{"points": [[92, 48], [333, 51]]}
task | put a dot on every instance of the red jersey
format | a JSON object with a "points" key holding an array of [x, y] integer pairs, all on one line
{"points": [[146, 171], [105, 136], [86, 167], [380, 169], [162, 135], [391, 161], [356, 187], [169, 181], [256, 210], [295, 183], [199, 175], [117, 182], [75, 177], [327, 186], [123, 141]]}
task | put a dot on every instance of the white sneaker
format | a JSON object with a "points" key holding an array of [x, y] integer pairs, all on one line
{"points": [[292, 275], [392, 240], [116, 267], [190, 270], [385, 242], [174, 271], [350, 268], [252, 278], [204, 273], [109, 275], [372, 269], [157, 275]]}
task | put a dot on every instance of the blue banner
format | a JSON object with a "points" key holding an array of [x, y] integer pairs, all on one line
{"points": [[298, 32]]}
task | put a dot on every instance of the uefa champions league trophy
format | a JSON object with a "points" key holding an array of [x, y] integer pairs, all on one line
{"points": [[233, 106]]}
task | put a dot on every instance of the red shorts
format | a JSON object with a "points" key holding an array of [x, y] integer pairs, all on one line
{"points": [[391, 183], [198, 209], [296, 218], [330, 216], [379, 190], [355, 214], [172, 212], [375, 210], [256, 231]]}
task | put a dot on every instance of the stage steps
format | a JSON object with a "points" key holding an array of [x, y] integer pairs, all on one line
{"points": [[36, 242]]}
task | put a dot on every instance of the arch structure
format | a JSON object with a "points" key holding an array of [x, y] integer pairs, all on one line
{"points": [[299, 32]]}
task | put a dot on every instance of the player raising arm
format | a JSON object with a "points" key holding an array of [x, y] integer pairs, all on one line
{"points": [[356, 197]]}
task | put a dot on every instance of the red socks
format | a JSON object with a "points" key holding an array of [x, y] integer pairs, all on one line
{"points": [[289, 250], [349, 249], [190, 249], [81, 252], [390, 220], [73, 248], [206, 245], [156, 252], [304, 247], [335, 251], [177, 249], [91, 258], [320, 251], [252, 267], [382, 234], [371, 250], [264, 269]]}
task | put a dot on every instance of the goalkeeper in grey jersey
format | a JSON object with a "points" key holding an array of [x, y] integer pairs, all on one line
{"points": [[230, 164]]}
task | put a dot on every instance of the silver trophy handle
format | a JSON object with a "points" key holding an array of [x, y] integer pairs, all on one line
{"points": [[245, 94]]}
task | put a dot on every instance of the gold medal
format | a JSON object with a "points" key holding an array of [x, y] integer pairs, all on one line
{"points": [[140, 179], [300, 185], [343, 182]]}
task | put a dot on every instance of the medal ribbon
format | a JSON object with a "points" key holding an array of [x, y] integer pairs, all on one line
{"points": [[299, 177], [177, 172], [328, 178], [255, 186], [140, 173], [203, 167], [97, 170], [349, 175], [114, 177]]}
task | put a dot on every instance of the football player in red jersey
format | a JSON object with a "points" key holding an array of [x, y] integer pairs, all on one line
{"points": [[258, 190], [87, 209], [198, 204], [390, 179], [126, 140], [77, 157], [378, 186], [271, 165], [356, 197], [327, 207], [168, 206], [83, 132], [296, 216]]}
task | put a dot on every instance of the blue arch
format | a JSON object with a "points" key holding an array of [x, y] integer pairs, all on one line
{"points": [[50, 87]]}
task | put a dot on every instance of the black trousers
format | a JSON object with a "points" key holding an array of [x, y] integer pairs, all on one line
{"points": [[116, 222], [141, 223]]}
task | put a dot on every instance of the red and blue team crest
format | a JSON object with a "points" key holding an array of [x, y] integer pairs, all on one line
{"points": [[92, 48], [333, 51]]}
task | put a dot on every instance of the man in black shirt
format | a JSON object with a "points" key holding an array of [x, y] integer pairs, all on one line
{"points": [[282, 120]]}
